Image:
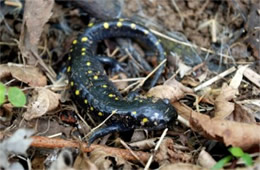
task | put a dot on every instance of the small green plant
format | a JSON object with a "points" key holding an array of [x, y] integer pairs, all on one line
{"points": [[237, 153], [14, 95]]}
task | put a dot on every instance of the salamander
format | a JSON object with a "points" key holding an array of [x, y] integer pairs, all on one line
{"points": [[94, 92]]}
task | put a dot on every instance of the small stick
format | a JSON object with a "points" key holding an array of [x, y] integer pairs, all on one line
{"points": [[219, 76], [155, 150], [149, 75]]}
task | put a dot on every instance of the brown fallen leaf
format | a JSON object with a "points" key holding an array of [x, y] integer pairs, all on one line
{"points": [[232, 133], [42, 101], [104, 160], [182, 166], [251, 106], [242, 115], [223, 106], [82, 162], [172, 90], [36, 14], [27, 74], [168, 152]]}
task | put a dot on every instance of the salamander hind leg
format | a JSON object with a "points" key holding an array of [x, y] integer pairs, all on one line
{"points": [[116, 127], [112, 63]]}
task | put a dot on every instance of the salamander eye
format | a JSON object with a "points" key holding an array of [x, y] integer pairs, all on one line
{"points": [[166, 101]]}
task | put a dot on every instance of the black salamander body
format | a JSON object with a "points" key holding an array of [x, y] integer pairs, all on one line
{"points": [[93, 90]]}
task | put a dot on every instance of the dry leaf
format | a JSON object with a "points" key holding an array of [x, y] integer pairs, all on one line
{"points": [[36, 14], [42, 102], [82, 162], [172, 89], [182, 166], [251, 106], [232, 133], [27, 74], [241, 115], [168, 152], [223, 106], [104, 160]]}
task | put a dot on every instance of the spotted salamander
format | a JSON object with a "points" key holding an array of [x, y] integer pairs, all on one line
{"points": [[94, 92]]}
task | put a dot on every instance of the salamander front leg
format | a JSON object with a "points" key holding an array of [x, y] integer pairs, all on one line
{"points": [[117, 127]]}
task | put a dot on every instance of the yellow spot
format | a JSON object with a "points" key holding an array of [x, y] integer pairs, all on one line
{"points": [[90, 24], [71, 83], [90, 71], [157, 43], [119, 24], [88, 63], [91, 108], [100, 114], [140, 101], [104, 86], [84, 39], [106, 25], [71, 50], [69, 58], [144, 120], [133, 26], [77, 92], [83, 49], [121, 19], [83, 53], [86, 101], [95, 77], [165, 53], [111, 95], [134, 112], [146, 32], [74, 42], [116, 98], [68, 69]]}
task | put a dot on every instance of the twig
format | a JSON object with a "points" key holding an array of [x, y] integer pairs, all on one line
{"points": [[45, 142], [155, 150], [102, 123], [219, 76], [149, 75]]}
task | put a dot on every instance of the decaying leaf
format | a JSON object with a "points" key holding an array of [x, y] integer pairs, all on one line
{"points": [[242, 115], [43, 101], [33, 25], [251, 106], [182, 166], [104, 160], [82, 162], [223, 106], [168, 152], [172, 90], [28, 74], [231, 133]]}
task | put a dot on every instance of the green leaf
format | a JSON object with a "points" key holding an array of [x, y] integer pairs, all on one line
{"points": [[2, 93], [247, 159], [236, 151], [16, 97], [220, 164]]}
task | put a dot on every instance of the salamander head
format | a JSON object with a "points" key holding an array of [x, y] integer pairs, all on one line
{"points": [[156, 115]]}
